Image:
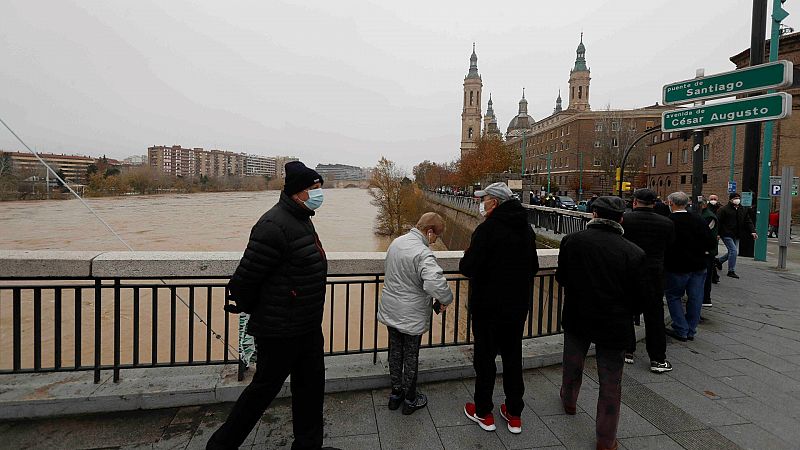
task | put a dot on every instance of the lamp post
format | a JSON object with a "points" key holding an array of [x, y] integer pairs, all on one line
{"points": [[580, 176], [522, 154]]}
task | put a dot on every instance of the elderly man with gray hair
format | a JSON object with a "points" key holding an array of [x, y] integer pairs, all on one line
{"points": [[685, 266], [413, 280]]}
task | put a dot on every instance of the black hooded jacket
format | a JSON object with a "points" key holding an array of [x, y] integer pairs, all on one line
{"points": [[281, 278], [501, 263]]}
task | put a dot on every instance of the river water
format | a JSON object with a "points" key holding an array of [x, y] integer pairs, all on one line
{"points": [[219, 221]]}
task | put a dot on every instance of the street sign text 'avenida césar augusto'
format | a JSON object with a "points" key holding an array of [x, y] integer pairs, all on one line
{"points": [[753, 109]]}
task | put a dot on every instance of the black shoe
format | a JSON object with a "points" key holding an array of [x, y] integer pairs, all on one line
{"points": [[420, 402], [732, 274], [674, 335], [707, 304], [718, 263], [715, 280], [395, 400], [628, 358], [660, 367], [690, 338]]}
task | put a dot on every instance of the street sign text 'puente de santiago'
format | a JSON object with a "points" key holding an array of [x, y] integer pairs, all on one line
{"points": [[774, 75], [753, 109]]}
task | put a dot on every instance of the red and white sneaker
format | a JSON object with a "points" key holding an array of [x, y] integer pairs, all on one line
{"points": [[514, 422], [486, 422]]}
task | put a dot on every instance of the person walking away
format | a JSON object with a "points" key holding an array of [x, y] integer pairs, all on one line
{"points": [[661, 208], [685, 264], [280, 282], [734, 222], [413, 279], [602, 274], [501, 264], [713, 225], [653, 233]]}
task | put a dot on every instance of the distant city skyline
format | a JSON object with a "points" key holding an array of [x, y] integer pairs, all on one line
{"points": [[334, 82]]}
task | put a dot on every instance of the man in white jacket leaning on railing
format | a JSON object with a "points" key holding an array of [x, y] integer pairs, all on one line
{"points": [[413, 281]]}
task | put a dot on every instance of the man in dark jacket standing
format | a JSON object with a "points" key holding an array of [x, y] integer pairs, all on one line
{"points": [[501, 263], [653, 233], [734, 223], [685, 263], [602, 276], [280, 281], [713, 226]]}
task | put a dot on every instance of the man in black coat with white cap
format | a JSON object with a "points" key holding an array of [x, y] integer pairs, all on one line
{"points": [[602, 276], [280, 282]]}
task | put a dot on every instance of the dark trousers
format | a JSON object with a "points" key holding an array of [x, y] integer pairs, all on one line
{"points": [[655, 338], [493, 337], [609, 372], [403, 362], [711, 270], [298, 356]]}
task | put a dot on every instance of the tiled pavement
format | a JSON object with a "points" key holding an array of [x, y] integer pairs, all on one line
{"points": [[736, 386]]}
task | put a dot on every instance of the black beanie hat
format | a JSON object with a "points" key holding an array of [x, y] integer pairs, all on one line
{"points": [[299, 177], [734, 195]]}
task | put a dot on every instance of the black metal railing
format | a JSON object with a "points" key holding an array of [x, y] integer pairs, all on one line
{"points": [[116, 324]]}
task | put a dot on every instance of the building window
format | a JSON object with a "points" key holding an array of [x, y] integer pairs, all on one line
{"points": [[632, 126], [649, 124], [469, 133], [705, 178], [615, 126], [598, 126], [471, 94], [580, 91], [568, 127], [670, 135], [669, 182], [684, 156], [652, 160], [705, 154], [596, 162], [663, 136], [614, 142], [669, 158], [683, 179], [596, 144]]}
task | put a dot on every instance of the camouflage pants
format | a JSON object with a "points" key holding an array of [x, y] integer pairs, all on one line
{"points": [[247, 345], [403, 361], [609, 372]]}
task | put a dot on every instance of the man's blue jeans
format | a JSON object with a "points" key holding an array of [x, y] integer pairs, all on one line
{"points": [[733, 250], [691, 283]]}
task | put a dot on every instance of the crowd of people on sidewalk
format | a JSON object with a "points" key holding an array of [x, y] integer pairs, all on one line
{"points": [[619, 268]]}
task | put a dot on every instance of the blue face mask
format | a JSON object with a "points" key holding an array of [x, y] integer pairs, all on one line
{"points": [[315, 198]]}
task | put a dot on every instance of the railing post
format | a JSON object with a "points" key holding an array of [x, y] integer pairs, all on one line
{"points": [[98, 294], [116, 329]]}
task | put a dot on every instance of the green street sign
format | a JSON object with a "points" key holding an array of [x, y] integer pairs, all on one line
{"points": [[753, 109], [772, 75]]}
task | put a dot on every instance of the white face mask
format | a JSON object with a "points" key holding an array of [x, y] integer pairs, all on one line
{"points": [[713, 202], [736, 201], [482, 209]]}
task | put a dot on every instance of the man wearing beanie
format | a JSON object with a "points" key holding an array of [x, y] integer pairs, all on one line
{"points": [[734, 222], [280, 282], [602, 274]]}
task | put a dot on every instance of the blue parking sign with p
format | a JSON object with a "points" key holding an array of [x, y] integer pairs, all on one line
{"points": [[775, 190], [731, 186]]}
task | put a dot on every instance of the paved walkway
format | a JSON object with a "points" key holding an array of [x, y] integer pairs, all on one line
{"points": [[736, 386]]}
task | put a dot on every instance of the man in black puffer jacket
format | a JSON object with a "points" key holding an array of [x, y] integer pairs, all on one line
{"points": [[280, 282], [501, 263]]}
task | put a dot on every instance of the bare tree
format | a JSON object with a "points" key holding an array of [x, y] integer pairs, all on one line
{"points": [[395, 196], [614, 133]]}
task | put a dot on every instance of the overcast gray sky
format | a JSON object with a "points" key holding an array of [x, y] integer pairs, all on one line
{"points": [[331, 81]]}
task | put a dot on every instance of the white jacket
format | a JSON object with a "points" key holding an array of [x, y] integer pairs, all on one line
{"points": [[413, 279]]}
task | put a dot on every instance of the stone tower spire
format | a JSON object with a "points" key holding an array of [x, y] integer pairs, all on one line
{"points": [[558, 108], [471, 111], [490, 128], [579, 78]]}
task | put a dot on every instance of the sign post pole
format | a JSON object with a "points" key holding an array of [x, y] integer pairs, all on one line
{"points": [[697, 158], [762, 208]]}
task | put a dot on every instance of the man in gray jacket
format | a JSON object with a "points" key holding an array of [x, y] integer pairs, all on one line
{"points": [[413, 280]]}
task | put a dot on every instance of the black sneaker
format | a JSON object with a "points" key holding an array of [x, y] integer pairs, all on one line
{"points": [[628, 358], [732, 274], [660, 367], [674, 335], [707, 304], [395, 400], [420, 402], [689, 338]]}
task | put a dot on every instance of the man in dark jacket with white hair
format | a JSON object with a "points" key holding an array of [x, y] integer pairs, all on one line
{"points": [[280, 282], [602, 276]]}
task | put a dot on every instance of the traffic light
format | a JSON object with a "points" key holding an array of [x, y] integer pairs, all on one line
{"points": [[626, 186]]}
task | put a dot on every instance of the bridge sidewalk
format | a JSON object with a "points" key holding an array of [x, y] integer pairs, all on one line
{"points": [[736, 386]]}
